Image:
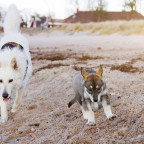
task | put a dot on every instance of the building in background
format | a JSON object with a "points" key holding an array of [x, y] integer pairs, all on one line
{"points": [[98, 16]]}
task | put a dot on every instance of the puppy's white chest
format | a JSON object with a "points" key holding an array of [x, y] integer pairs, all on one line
{"points": [[95, 106]]}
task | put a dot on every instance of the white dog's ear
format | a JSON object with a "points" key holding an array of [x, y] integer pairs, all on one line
{"points": [[14, 64]]}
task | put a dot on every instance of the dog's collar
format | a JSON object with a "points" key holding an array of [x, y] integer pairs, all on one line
{"points": [[11, 45]]}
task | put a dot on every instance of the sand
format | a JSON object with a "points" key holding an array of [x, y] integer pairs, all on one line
{"points": [[44, 117]]}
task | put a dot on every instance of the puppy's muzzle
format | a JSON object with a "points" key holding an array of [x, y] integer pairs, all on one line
{"points": [[95, 100]]}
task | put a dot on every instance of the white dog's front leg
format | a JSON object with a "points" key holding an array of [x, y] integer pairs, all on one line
{"points": [[17, 100], [4, 114], [107, 108]]}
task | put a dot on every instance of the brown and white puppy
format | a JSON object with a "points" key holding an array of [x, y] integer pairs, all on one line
{"points": [[91, 92]]}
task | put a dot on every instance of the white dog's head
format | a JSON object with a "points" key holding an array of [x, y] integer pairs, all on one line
{"points": [[8, 74]]}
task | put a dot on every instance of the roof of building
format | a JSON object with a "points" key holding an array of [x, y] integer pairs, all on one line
{"points": [[96, 16]]}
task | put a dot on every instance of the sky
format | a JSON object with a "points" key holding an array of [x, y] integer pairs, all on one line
{"points": [[61, 9]]}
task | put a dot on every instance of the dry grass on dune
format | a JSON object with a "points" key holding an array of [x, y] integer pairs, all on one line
{"points": [[108, 27]]}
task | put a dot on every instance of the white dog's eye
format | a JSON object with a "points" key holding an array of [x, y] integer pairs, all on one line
{"points": [[1, 81], [11, 80]]}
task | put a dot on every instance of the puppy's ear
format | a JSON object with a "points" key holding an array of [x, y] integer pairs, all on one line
{"points": [[100, 71], [14, 64], [84, 73]]}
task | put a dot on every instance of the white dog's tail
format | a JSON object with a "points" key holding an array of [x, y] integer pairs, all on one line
{"points": [[12, 20]]}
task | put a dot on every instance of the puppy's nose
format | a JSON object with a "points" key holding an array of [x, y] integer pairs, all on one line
{"points": [[5, 95], [95, 100]]}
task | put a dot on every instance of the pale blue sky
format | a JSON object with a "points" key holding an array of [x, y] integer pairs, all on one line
{"points": [[61, 8]]}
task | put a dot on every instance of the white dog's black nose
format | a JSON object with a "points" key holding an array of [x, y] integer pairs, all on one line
{"points": [[5, 95]]}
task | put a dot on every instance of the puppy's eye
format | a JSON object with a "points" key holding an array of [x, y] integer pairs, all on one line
{"points": [[99, 89], [1, 81], [90, 89], [11, 80]]}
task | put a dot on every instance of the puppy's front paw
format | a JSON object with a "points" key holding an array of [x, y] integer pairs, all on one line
{"points": [[3, 120], [112, 117], [91, 123], [14, 110]]}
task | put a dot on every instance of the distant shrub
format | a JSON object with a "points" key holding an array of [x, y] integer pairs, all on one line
{"points": [[108, 27]]}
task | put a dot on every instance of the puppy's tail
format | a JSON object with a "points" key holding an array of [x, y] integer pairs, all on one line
{"points": [[72, 102], [12, 20]]}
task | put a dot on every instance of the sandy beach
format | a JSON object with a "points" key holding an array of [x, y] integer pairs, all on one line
{"points": [[44, 116]]}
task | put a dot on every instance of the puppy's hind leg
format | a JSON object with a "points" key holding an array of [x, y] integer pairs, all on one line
{"points": [[107, 107], [17, 100], [76, 98], [4, 114]]}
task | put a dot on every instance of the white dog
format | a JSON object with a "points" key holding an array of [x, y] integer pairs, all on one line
{"points": [[15, 62]]}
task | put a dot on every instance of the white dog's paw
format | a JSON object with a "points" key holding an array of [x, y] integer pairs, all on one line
{"points": [[112, 117], [91, 123], [3, 120]]}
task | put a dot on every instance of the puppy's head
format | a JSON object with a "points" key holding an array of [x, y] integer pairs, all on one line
{"points": [[8, 78], [93, 84]]}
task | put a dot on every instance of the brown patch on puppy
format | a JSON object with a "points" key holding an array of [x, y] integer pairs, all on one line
{"points": [[93, 82], [14, 64]]}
